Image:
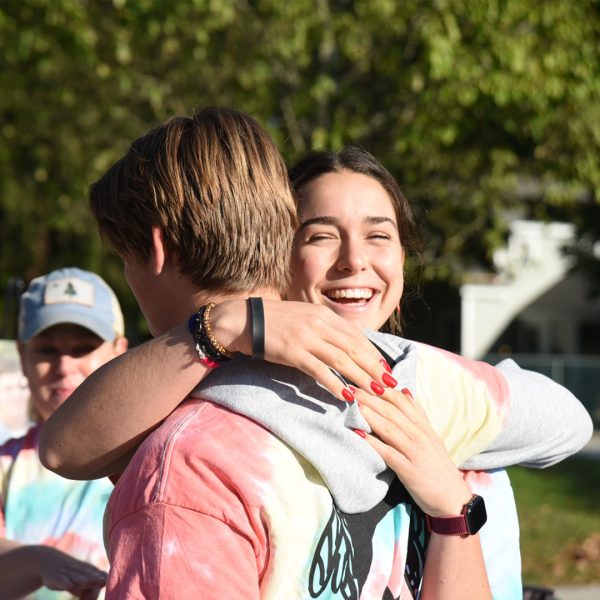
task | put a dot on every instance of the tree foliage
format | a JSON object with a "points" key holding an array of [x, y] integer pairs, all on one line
{"points": [[482, 109]]}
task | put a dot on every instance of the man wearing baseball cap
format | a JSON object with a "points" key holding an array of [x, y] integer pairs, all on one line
{"points": [[70, 323]]}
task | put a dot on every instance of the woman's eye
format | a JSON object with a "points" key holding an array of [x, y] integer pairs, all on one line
{"points": [[379, 236], [320, 237]]}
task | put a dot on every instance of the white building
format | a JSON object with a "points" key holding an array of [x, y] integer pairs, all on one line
{"points": [[534, 292], [537, 310]]}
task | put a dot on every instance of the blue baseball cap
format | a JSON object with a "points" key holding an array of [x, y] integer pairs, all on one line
{"points": [[70, 295]]}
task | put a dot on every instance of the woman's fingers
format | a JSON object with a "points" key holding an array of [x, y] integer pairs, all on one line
{"points": [[418, 458], [393, 403], [298, 334]]}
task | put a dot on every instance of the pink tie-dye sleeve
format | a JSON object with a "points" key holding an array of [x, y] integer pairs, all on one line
{"points": [[170, 552]]}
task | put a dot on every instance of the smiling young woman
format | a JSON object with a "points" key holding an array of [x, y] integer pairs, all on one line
{"points": [[347, 253]]}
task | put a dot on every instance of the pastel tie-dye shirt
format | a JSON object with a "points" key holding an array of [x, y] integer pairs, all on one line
{"points": [[39, 507], [214, 505]]}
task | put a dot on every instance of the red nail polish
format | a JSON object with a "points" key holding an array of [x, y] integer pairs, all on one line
{"points": [[348, 395], [377, 388], [385, 365], [352, 389], [406, 392], [389, 380], [360, 432]]}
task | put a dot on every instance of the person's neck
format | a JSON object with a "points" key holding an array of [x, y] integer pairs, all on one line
{"points": [[204, 297]]}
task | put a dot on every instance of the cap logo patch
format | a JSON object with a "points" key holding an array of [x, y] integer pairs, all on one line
{"points": [[69, 291]]}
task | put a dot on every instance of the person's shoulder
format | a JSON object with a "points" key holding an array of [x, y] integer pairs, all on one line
{"points": [[202, 456], [196, 421], [202, 435]]}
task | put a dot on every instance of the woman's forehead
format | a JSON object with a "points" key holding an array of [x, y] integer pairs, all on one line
{"points": [[345, 195]]}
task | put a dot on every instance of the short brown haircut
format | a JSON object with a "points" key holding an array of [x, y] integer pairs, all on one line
{"points": [[217, 187]]}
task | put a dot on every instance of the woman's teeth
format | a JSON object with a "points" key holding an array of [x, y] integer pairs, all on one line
{"points": [[360, 294]]}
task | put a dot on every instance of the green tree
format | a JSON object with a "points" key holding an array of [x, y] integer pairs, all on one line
{"points": [[482, 109]]}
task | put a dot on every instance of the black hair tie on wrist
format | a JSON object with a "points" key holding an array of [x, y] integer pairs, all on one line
{"points": [[257, 313]]}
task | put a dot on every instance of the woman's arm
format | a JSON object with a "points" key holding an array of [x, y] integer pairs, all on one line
{"points": [[546, 423], [454, 567], [491, 416], [116, 407]]}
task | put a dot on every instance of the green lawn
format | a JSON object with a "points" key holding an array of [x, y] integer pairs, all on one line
{"points": [[559, 513]]}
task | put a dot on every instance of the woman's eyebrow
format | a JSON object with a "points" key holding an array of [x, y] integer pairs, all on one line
{"points": [[318, 221], [379, 220], [326, 220]]}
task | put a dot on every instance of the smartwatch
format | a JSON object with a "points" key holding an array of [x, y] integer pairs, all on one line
{"points": [[471, 519]]}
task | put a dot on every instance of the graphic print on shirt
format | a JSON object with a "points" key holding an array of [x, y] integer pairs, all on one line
{"points": [[344, 554]]}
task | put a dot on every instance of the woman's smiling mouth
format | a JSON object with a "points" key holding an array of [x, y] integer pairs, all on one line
{"points": [[350, 295]]}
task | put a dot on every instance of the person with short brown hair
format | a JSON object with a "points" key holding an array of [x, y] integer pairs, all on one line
{"points": [[212, 505], [228, 218]]}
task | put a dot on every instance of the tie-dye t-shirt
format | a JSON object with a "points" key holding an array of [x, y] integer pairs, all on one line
{"points": [[290, 503], [39, 507], [213, 506], [500, 535]]}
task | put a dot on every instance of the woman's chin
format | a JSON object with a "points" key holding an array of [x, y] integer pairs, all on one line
{"points": [[364, 316]]}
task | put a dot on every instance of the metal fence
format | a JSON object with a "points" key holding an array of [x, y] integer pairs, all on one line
{"points": [[580, 374]]}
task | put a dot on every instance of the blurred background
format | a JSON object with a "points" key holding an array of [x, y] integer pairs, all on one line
{"points": [[487, 112]]}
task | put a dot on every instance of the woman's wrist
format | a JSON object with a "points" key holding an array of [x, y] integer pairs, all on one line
{"points": [[230, 324], [453, 501]]}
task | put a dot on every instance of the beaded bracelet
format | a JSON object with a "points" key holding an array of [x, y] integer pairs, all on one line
{"points": [[211, 353]]}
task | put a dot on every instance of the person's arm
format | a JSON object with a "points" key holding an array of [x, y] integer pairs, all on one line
{"points": [[495, 416], [404, 438], [26, 568], [110, 413], [454, 569], [546, 423]]}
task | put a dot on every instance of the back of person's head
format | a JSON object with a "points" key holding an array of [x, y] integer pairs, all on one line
{"points": [[358, 160], [216, 186], [70, 296]]}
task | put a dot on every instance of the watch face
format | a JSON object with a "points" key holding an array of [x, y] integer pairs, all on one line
{"points": [[475, 515]]}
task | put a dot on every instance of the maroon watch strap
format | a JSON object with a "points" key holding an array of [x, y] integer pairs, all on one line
{"points": [[448, 525], [471, 519]]}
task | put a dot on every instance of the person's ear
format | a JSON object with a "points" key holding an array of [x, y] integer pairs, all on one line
{"points": [[121, 344], [158, 257]]}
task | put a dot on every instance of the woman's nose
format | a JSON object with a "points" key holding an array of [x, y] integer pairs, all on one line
{"points": [[351, 258]]}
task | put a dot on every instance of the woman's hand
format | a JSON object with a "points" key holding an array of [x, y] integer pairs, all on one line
{"points": [[309, 337], [404, 438], [408, 444]]}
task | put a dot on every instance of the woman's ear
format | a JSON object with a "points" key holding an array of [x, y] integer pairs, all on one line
{"points": [[158, 251]]}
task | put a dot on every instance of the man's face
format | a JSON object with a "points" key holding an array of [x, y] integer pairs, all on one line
{"points": [[58, 359]]}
